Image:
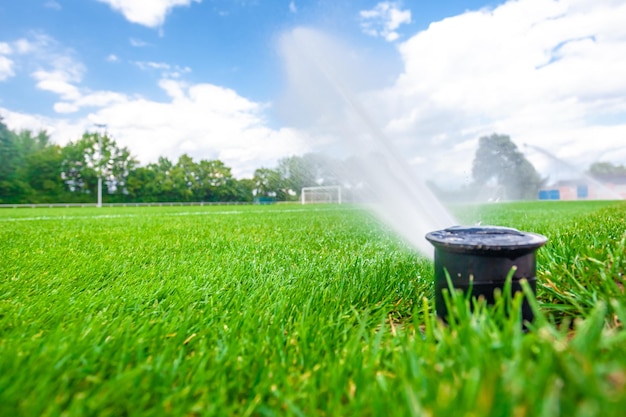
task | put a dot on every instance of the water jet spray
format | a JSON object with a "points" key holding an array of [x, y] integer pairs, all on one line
{"points": [[475, 258]]}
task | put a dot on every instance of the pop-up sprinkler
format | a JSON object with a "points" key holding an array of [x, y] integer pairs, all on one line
{"points": [[481, 258]]}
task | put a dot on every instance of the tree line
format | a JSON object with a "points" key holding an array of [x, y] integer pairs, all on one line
{"points": [[35, 170]]}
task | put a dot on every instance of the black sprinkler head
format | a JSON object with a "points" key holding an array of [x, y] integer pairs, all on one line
{"points": [[481, 258]]}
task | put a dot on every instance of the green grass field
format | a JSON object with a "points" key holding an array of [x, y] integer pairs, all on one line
{"points": [[290, 310]]}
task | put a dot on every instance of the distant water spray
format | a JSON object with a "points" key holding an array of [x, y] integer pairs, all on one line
{"points": [[323, 86], [603, 190]]}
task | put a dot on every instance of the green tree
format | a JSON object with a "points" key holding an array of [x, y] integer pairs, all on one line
{"points": [[92, 156], [497, 157], [30, 168], [12, 189], [606, 169], [184, 178], [215, 182], [267, 183], [295, 172], [308, 170], [163, 186], [142, 185], [41, 168], [245, 189]]}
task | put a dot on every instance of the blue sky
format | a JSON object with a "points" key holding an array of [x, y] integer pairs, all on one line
{"points": [[231, 43], [204, 76]]}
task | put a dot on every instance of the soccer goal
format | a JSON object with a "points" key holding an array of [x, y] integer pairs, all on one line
{"points": [[322, 194]]}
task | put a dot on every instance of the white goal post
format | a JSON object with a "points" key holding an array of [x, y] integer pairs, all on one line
{"points": [[321, 194]]}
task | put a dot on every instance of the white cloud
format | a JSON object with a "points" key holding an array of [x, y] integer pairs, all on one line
{"points": [[174, 89], [60, 78], [548, 73], [292, 7], [384, 19], [89, 99], [39, 49], [5, 48], [60, 73], [55, 67], [144, 65], [6, 64], [205, 120], [167, 70], [6, 68], [147, 13], [55, 83], [137, 43], [24, 46], [112, 58], [61, 130]]}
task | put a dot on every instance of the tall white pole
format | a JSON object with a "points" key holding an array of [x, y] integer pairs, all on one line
{"points": [[100, 167], [99, 191]]}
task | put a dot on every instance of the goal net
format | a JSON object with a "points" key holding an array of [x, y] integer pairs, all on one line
{"points": [[321, 195]]}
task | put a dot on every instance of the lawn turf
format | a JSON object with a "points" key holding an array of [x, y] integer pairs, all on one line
{"points": [[291, 310]]}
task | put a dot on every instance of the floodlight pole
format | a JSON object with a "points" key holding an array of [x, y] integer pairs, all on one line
{"points": [[100, 126], [99, 192]]}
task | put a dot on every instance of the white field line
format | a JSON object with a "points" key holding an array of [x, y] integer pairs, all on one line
{"points": [[37, 218], [204, 213], [182, 213]]}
